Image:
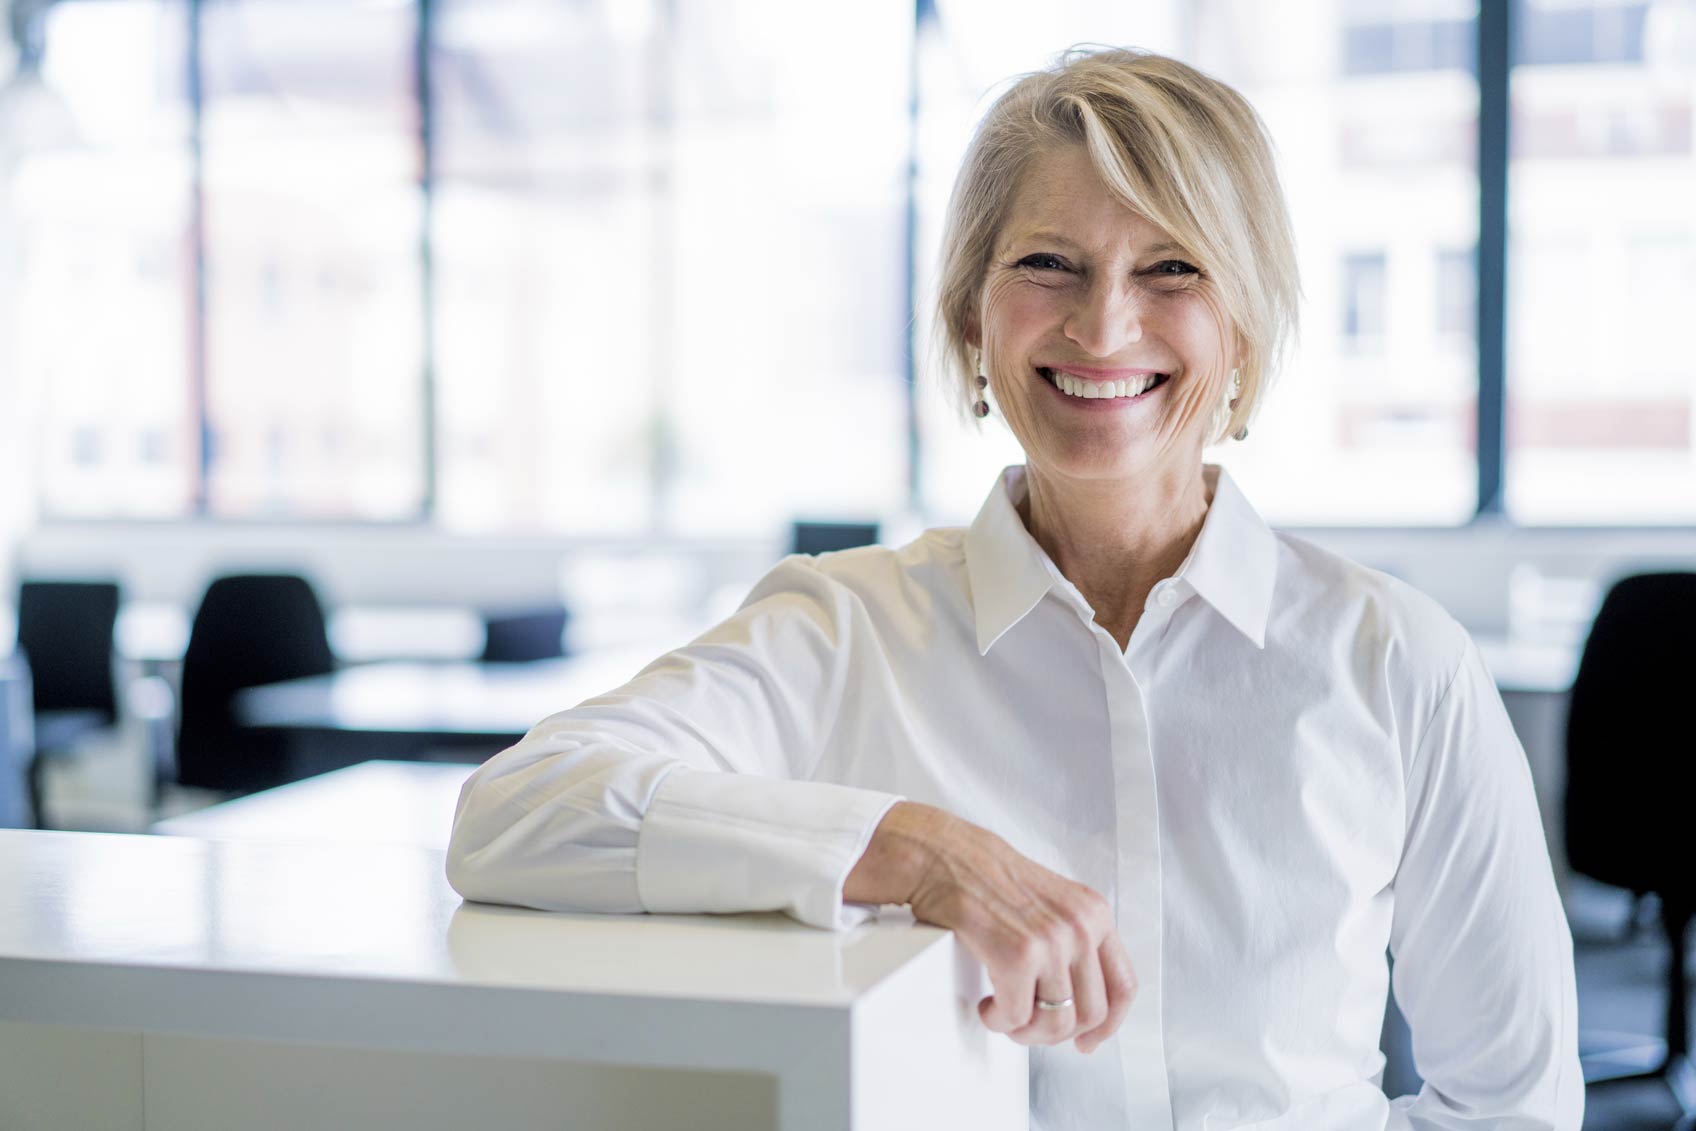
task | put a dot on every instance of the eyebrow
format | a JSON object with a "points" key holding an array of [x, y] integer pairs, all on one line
{"points": [[1056, 237]]}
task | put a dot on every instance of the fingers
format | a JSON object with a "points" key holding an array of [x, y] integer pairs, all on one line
{"points": [[1014, 1000], [1089, 993], [1050, 1026], [1067, 962], [1120, 985], [1034, 931]]}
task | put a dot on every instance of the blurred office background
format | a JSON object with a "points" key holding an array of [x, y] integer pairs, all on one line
{"points": [[459, 306]]}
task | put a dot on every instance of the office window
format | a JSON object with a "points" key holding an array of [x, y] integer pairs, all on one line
{"points": [[1388, 36], [96, 231], [1380, 173], [1364, 278], [313, 294], [675, 187], [1581, 31], [783, 371], [1601, 426], [1457, 295], [551, 179], [670, 261]]}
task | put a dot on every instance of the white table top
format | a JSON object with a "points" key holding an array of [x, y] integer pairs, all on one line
{"points": [[136, 903], [372, 803], [347, 947]]}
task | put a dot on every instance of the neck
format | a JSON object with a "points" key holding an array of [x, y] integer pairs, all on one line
{"points": [[1114, 543]]}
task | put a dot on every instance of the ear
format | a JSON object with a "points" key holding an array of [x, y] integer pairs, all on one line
{"points": [[974, 335]]}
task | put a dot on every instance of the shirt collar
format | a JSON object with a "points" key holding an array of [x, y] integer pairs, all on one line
{"points": [[1231, 565]]}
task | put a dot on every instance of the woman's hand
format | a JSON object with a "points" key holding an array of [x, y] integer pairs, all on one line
{"points": [[1035, 931]]}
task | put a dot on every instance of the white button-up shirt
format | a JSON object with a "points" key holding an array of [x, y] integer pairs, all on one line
{"points": [[1297, 763]]}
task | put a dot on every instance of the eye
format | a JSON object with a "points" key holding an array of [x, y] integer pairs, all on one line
{"points": [[1174, 267], [1042, 261]]}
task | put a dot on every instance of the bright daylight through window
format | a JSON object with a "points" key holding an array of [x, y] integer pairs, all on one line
{"points": [[624, 267]]}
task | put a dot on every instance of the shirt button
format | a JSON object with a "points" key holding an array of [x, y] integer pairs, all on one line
{"points": [[1167, 597]]}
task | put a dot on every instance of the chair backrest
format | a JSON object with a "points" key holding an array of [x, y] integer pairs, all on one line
{"points": [[520, 636], [250, 630], [823, 537], [65, 628], [1631, 739]]}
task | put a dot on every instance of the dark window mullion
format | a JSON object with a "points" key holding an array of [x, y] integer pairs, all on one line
{"points": [[423, 92], [924, 14], [1494, 70], [199, 493]]}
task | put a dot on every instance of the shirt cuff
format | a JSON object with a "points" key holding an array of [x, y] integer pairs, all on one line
{"points": [[727, 842]]}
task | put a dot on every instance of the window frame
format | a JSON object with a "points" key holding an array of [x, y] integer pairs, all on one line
{"points": [[1494, 66]]}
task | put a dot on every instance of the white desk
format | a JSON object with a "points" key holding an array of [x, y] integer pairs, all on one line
{"points": [[371, 803], [171, 982]]}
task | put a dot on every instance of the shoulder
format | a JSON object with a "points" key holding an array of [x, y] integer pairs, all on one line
{"points": [[1383, 619], [882, 570], [914, 580]]}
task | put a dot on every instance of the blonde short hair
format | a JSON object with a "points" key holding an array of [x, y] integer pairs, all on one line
{"points": [[1176, 146]]}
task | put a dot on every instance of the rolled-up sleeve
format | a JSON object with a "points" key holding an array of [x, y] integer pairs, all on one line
{"points": [[686, 789], [1483, 954]]}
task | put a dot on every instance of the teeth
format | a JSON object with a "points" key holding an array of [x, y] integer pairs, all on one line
{"points": [[1105, 390]]}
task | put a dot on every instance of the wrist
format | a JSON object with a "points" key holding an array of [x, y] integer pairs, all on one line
{"points": [[898, 855]]}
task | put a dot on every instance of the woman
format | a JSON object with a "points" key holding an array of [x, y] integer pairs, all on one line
{"points": [[1176, 779]]}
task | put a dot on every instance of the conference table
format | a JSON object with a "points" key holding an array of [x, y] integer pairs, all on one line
{"points": [[456, 711], [434, 700]]}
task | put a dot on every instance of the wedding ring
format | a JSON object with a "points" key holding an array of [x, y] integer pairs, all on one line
{"points": [[1041, 1004]]}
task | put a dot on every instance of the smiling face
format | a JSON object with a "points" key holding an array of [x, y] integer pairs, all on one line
{"points": [[1081, 288]]}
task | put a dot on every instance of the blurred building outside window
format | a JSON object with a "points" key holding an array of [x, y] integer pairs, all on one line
{"points": [[1363, 301], [670, 257], [313, 309], [1602, 264], [97, 204], [667, 254]]}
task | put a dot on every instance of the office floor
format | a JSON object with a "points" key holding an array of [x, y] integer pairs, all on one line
{"points": [[1620, 972]]}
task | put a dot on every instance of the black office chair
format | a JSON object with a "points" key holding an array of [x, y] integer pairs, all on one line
{"points": [[65, 632], [249, 630], [1631, 769], [524, 635], [823, 537]]}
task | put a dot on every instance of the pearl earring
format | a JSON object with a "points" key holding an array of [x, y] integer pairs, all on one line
{"points": [[1222, 414], [1241, 433], [980, 409]]}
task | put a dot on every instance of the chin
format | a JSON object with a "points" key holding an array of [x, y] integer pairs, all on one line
{"points": [[1129, 460]]}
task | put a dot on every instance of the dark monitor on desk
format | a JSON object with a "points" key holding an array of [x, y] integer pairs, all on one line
{"points": [[822, 537]]}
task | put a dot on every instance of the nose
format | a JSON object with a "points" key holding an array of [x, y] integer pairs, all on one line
{"points": [[1107, 318]]}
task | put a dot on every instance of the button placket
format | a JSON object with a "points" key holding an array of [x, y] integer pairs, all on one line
{"points": [[1140, 896]]}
